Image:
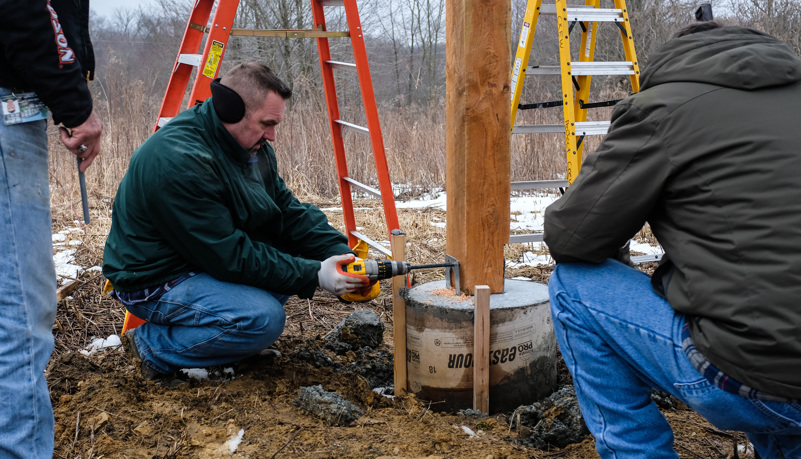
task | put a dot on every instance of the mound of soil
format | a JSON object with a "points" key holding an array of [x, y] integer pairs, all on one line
{"points": [[104, 408]]}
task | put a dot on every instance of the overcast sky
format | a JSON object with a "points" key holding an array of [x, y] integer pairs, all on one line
{"points": [[106, 7]]}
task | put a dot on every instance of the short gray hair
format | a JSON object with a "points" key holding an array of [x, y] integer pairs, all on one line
{"points": [[252, 81]]}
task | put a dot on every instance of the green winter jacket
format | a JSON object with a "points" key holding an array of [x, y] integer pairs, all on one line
{"points": [[709, 154], [192, 201]]}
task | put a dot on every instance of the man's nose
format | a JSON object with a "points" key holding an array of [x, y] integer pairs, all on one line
{"points": [[269, 134]]}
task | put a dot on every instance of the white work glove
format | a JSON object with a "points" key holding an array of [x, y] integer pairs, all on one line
{"points": [[332, 277]]}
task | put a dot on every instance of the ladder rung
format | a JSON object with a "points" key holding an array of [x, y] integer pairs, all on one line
{"points": [[190, 59], [355, 127], [372, 243], [582, 128], [585, 68], [164, 120], [522, 238], [332, 2], [341, 65], [646, 258], [538, 184], [362, 186], [586, 14], [288, 33]]}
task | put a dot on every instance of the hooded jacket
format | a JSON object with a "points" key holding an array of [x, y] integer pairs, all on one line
{"points": [[192, 200], [45, 48], [709, 154]]}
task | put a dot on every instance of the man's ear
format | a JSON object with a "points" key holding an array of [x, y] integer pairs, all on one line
{"points": [[227, 103]]}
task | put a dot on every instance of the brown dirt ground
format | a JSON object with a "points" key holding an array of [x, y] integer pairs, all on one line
{"points": [[103, 408]]}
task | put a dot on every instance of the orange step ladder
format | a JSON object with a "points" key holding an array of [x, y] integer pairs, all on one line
{"points": [[206, 66]]}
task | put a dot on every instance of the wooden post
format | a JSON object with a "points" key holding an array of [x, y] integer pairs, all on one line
{"points": [[478, 177], [481, 348], [398, 247]]}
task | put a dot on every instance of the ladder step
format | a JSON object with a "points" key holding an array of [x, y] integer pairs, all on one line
{"points": [[341, 65], [190, 59], [523, 238], [355, 127], [363, 187], [586, 14], [164, 120], [372, 243], [585, 68], [646, 258], [332, 2], [582, 128], [539, 184]]}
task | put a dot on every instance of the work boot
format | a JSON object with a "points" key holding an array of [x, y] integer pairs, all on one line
{"points": [[129, 344]]}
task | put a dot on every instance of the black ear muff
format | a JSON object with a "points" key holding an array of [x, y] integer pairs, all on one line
{"points": [[227, 103]]}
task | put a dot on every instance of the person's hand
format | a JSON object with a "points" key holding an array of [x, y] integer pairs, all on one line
{"points": [[84, 140], [333, 278]]}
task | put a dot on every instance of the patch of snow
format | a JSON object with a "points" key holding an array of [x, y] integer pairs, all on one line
{"points": [[383, 391], [468, 431], [437, 201], [64, 267], [100, 343], [530, 259], [196, 373], [233, 443]]}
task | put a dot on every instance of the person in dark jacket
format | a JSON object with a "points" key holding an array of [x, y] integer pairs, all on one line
{"points": [[206, 241], [707, 154], [45, 60]]}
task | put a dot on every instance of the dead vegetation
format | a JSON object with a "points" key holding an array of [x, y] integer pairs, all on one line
{"points": [[104, 409]]}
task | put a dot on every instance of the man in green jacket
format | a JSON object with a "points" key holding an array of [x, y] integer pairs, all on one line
{"points": [[708, 154], [207, 243]]}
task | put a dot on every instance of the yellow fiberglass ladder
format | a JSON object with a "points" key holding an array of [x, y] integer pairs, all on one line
{"points": [[575, 76]]}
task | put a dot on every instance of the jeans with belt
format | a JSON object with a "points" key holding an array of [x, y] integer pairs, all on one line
{"points": [[202, 322], [619, 340], [27, 291]]}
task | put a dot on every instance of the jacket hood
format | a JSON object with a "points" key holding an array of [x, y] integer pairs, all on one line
{"points": [[733, 57]]}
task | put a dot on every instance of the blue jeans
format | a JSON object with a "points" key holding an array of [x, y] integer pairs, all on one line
{"points": [[619, 340], [204, 322], [27, 291]]}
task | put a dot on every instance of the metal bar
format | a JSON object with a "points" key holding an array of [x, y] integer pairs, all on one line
{"points": [[538, 184], [646, 258], [586, 14], [582, 128], [289, 33], [363, 187], [190, 59], [522, 238], [341, 65], [84, 197], [355, 127], [372, 243], [452, 272]]}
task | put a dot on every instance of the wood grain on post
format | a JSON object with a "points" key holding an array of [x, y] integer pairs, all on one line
{"points": [[398, 247], [481, 349], [478, 175]]}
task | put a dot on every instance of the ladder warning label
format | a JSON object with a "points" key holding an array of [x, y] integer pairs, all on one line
{"points": [[213, 61], [524, 35]]}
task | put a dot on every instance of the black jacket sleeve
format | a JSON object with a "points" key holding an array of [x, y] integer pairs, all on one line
{"points": [[614, 194], [39, 52]]}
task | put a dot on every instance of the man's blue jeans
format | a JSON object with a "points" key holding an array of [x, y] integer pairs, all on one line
{"points": [[27, 291], [203, 322], [619, 340]]}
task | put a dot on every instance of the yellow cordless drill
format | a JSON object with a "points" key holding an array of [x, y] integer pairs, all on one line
{"points": [[385, 269]]}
